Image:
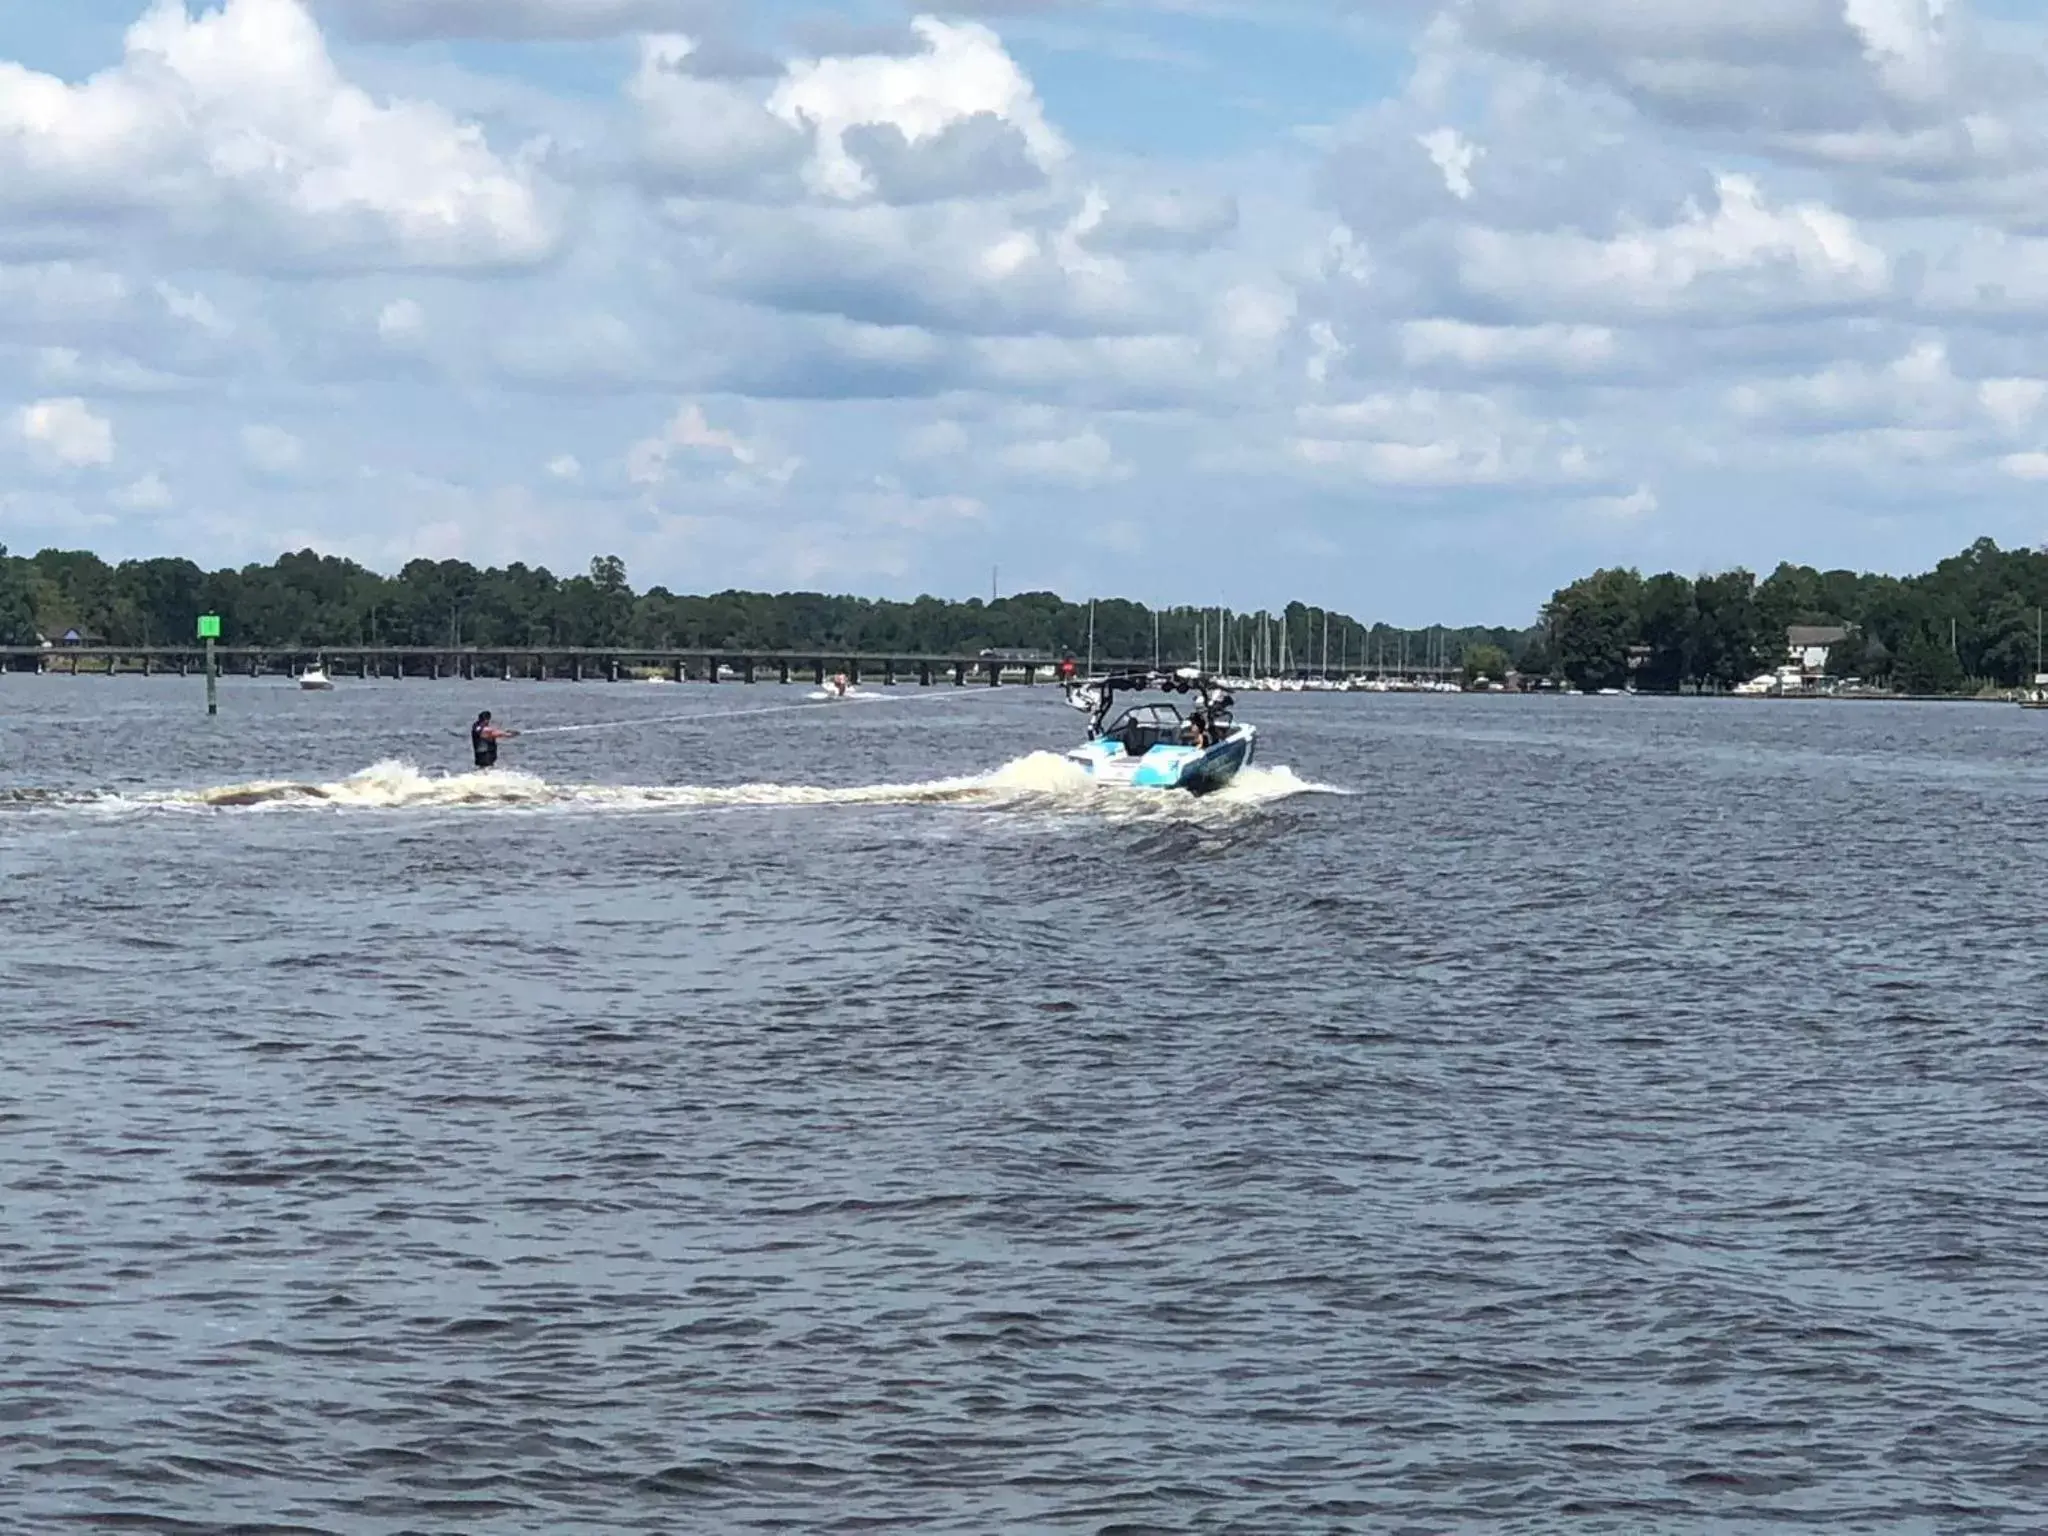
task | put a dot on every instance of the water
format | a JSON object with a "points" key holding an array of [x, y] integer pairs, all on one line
{"points": [[1611, 1115]]}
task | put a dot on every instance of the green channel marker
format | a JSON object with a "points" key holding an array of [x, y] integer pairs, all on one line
{"points": [[209, 631]]}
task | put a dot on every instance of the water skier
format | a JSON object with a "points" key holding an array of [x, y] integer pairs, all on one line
{"points": [[484, 738]]}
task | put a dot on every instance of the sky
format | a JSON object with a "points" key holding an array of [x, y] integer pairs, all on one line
{"points": [[1412, 308]]}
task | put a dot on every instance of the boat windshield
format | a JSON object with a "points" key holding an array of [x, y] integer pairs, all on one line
{"points": [[1145, 726]]}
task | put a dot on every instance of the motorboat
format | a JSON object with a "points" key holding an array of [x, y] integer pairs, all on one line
{"points": [[315, 679], [1152, 745]]}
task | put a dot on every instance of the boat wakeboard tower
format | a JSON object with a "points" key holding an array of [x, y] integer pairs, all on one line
{"points": [[1095, 696]]}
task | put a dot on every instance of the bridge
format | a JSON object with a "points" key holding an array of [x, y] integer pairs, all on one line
{"points": [[573, 663]]}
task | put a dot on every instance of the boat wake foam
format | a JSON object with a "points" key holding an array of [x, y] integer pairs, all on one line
{"points": [[1041, 779]]}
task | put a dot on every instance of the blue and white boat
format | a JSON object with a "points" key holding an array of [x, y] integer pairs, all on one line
{"points": [[1152, 746]]}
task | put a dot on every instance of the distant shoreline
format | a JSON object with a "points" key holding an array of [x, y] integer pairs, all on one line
{"points": [[909, 681]]}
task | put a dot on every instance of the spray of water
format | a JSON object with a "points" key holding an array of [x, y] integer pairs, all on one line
{"points": [[1039, 780]]}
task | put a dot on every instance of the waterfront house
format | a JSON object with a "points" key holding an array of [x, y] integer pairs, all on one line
{"points": [[1807, 646]]}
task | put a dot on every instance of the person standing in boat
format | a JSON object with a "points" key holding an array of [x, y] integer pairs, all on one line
{"points": [[484, 738]]}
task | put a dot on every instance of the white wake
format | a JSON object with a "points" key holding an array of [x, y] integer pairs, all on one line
{"points": [[1040, 778]]}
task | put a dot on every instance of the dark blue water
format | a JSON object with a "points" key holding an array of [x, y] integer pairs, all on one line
{"points": [[1611, 1115]]}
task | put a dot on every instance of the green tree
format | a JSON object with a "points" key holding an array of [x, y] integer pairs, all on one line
{"points": [[2006, 641], [1668, 623], [1592, 624], [1859, 656], [17, 606], [611, 601], [1728, 644], [1487, 662], [1927, 665]]}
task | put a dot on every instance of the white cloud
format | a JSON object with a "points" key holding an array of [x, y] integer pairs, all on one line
{"points": [[511, 19], [1506, 348], [1147, 219], [963, 266], [962, 73], [753, 464], [1636, 504], [400, 320], [1118, 535], [564, 467], [2026, 466], [104, 373], [1917, 390], [1326, 350], [1083, 460], [193, 309], [1250, 320], [1903, 39], [2012, 403], [887, 505], [271, 450], [1743, 254], [37, 294], [65, 432], [235, 124], [149, 494], [1427, 439], [941, 439], [1453, 155], [705, 135], [1917, 403]]}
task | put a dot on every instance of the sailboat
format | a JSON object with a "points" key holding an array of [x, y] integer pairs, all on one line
{"points": [[2036, 697]]}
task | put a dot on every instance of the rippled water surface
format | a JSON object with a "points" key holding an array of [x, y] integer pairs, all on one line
{"points": [[1603, 1115]]}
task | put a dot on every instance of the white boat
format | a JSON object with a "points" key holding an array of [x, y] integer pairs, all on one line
{"points": [[2035, 697], [315, 679], [1151, 746]]}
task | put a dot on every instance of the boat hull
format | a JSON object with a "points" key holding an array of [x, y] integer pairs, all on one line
{"points": [[1198, 772]]}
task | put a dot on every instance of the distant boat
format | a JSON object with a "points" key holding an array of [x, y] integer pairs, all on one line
{"points": [[315, 679], [2036, 697]]}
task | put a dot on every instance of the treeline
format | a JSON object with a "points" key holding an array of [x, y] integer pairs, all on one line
{"points": [[1969, 623], [310, 601]]}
